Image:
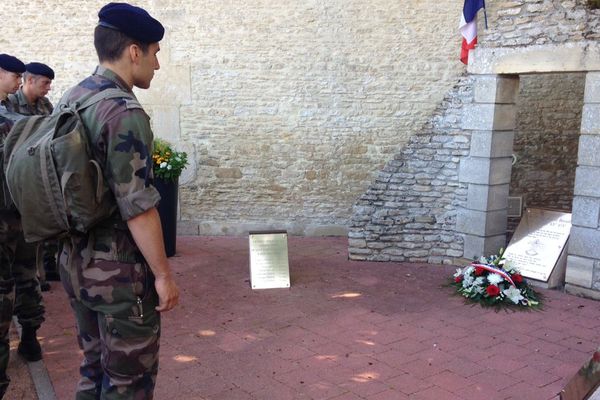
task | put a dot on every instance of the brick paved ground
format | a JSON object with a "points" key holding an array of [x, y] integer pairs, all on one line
{"points": [[344, 331]]}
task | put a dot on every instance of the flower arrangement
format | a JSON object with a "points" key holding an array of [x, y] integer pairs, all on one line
{"points": [[493, 281], [167, 163]]}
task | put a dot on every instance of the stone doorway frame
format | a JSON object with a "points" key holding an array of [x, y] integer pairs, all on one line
{"points": [[486, 172]]}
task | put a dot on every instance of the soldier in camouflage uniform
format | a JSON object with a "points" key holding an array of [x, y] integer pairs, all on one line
{"points": [[11, 69], [31, 99], [117, 276], [28, 306]]}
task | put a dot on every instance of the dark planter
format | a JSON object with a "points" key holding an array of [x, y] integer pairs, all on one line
{"points": [[167, 209]]}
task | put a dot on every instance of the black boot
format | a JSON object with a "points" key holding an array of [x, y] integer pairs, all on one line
{"points": [[4, 380], [30, 348], [44, 286], [52, 276], [51, 269]]}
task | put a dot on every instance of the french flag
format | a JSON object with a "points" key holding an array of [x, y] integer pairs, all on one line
{"points": [[468, 27]]}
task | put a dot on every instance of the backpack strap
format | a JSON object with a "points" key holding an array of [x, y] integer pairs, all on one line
{"points": [[113, 93], [29, 123]]}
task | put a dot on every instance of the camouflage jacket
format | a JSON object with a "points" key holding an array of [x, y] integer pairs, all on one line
{"points": [[18, 103], [121, 142], [5, 124], [7, 120]]}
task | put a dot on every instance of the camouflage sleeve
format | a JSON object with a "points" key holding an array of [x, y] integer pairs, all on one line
{"points": [[7, 120], [128, 139], [12, 103], [9, 115], [5, 125], [48, 105]]}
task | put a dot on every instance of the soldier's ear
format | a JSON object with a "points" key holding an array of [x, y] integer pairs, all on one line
{"points": [[135, 53]]}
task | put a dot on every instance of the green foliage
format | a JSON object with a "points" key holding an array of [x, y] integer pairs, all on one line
{"points": [[168, 164]]}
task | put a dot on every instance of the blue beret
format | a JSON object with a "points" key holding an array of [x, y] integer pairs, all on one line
{"points": [[40, 69], [11, 64], [133, 21]]}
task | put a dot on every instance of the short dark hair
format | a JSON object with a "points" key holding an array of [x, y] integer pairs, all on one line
{"points": [[110, 43]]}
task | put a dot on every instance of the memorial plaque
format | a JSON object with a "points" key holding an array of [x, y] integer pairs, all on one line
{"points": [[269, 266], [538, 245]]}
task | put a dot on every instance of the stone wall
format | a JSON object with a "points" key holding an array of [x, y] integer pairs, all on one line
{"points": [[287, 109], [583, 261], [384, 225], [537, 22], [409, 212], [546, 139]]}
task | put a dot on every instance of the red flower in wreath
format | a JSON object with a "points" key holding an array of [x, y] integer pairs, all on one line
{"points": [[479, 271], [596, 357], [458, 279], [493, 290], [517, 278]]}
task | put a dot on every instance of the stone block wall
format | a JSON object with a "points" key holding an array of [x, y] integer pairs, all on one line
{"points": [[546, 140], [540, 22], [290, 110], [518, 23], [409, 212], [583, 262], [546, 136], [287, 109]]}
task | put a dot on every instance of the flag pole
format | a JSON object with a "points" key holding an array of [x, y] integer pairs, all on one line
{"points": [[485, 15]]}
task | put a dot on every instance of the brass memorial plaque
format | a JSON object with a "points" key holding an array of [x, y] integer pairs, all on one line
{"points": [[269, 266]]}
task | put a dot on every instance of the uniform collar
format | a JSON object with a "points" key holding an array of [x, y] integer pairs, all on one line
{"points": [[111, 75], [22, 99]]}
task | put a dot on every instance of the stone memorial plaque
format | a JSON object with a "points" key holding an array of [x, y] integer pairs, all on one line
{"points": [[538, 242], [269, 266]]}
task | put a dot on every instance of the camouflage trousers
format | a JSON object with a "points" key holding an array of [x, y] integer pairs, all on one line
{"points": [[19, 288], [29, 306], [118, 327], [7, 300]]}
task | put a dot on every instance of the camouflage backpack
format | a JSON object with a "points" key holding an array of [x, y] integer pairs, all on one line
{"points": [[53, 179]]}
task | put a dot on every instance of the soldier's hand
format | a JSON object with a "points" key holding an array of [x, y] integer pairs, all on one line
{"points": [[168, 293]]}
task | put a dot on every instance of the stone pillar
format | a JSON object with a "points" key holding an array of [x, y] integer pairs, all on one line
{"points": [[583, 261], [491, 118]]}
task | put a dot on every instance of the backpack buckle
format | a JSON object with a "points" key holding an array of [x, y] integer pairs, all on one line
{"points": [[31, 150]]}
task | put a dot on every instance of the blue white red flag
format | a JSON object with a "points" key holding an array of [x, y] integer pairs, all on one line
{"points": [[495, 270], [468, 27]]}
